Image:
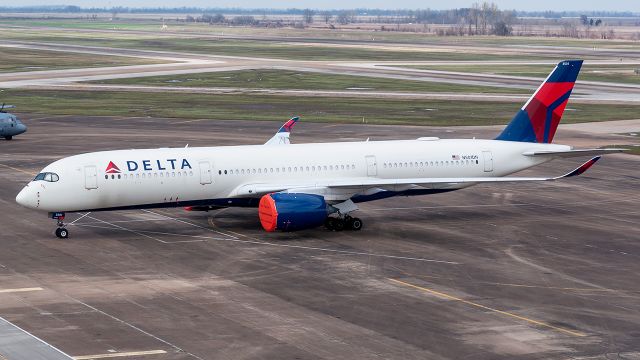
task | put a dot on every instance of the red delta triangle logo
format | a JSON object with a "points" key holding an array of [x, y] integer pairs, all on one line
{"points": [[112, 168]]}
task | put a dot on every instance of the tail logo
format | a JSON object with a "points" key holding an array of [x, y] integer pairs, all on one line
{"points": [[546, 108], [538, 119]]}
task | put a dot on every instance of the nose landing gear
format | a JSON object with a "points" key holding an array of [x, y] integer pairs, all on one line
{"points": [[61, 231]]}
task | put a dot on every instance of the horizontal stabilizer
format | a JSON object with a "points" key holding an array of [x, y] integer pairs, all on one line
{"points": [[574, 153], [581, 170]]}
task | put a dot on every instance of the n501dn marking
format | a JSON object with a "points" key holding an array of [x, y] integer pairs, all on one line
{"points": [[300, 186]]}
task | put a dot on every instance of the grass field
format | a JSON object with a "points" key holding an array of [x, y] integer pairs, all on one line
{"points": [[149, 25], [632, 149], [312, 109], [14, 59], [607, 73], [254, 48], [284, 79]]}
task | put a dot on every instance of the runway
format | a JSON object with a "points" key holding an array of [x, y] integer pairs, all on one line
{"points": [[187, 63], [533, 271]]}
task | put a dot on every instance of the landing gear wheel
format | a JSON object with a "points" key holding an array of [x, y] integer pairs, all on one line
{"points": [[328, 223], [62, 233], [355, 224], [8, 137], [338, 224]]}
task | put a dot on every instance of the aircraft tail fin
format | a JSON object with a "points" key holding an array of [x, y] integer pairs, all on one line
{"points": [[538, 119], [282, 136]]}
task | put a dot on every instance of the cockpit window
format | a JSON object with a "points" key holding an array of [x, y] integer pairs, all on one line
{"points": [[47, 176]]}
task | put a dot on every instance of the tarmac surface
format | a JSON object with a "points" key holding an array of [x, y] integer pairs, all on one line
{"points": [[527, 271]]}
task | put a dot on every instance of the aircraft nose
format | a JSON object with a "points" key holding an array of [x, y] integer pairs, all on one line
{"points": [[27, 198], [22, 128]]}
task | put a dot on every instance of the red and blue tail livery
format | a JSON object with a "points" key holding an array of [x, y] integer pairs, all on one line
{"points": [[289, 124], [538, 119]]}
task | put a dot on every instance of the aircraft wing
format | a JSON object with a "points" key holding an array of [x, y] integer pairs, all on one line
{"points": [[282, 136], [361, 184], [574, 153]]}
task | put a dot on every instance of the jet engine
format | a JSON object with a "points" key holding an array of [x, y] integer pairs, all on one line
{"points": [[291, 212]]}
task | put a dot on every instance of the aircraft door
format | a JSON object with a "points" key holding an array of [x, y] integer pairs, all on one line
{"points": [[372, 165], [90, 177], [205, 172], [488, 161]]}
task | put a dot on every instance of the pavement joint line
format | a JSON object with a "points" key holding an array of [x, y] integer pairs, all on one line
{"points": [[526, 319], [122, 354], [259, 242], [20, 170], [202, 238], [17, 290], [134, 327], [35, 337], [80, 218], [188, 223], [125, 229]]}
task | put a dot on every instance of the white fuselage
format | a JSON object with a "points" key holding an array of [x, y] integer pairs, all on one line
{"points": [[218, 175]]}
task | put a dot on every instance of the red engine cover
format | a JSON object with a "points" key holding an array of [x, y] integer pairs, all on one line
{"points": [[268, 213]]}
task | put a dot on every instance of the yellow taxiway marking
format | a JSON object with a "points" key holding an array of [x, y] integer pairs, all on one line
{"points": [[20, 290], [122, 354], [451, 297], [20, 170]]}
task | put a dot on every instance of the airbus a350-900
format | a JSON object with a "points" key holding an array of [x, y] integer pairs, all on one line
{"points": [[301, 186]]}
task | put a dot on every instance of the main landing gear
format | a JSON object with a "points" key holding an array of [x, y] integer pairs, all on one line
{"points": [[61, 231], [343, 223]]}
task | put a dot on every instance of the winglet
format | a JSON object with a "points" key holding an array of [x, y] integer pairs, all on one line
{"points": [[289, 124], [582, 168], [282, 136]]}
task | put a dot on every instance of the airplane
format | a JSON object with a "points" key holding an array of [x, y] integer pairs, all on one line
{"points": [[10, 126], [303, 186]]}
